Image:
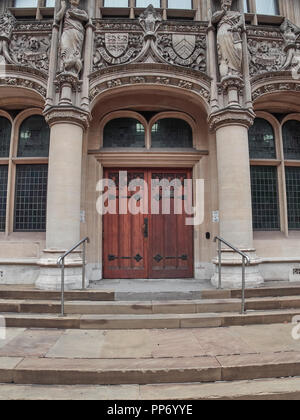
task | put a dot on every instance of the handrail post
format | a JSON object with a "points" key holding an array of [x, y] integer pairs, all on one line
{"points": [[83, 265], [243, 285], [220, 264], [63, 287]]}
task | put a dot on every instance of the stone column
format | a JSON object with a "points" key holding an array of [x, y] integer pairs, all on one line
{"points": [[64, 190], [231, 127]]}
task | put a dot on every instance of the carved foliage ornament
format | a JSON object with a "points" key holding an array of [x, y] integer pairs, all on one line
{"points": [[135, 43]]}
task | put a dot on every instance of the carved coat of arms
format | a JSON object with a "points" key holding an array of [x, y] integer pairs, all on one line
{"points": [[184, 45], [116, 44]]}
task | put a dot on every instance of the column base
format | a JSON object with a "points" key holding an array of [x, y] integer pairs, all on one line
{"points": [[50, 274], [232, 271]]}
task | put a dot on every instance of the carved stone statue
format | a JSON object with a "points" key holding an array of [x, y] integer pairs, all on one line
{"points": [[290, 34], [229, 40], [150, 20], [72, 36], [7, 24]]}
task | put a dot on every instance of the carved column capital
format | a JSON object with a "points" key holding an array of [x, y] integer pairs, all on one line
{"points": [[71, 115], [229, 116]]}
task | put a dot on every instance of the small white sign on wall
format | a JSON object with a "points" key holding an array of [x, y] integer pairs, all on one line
{"points": [[215, 216], [295, 273]]}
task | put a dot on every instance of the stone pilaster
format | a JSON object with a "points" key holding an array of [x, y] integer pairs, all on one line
{"points": [[64, 191], [231, 127]]}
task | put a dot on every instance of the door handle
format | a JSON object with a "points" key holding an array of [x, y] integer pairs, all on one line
{"points": [[145, 227]]}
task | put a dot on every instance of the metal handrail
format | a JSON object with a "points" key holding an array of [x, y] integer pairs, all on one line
{"points": [[61, 264], [246, 261]]}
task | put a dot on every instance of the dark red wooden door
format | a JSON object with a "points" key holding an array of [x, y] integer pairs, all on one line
{"points": [[147, 245]]}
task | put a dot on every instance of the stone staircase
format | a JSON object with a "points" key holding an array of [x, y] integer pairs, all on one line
{"points": [[97, 312]]}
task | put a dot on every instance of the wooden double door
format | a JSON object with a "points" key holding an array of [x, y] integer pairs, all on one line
{"points": [[137, 246]]}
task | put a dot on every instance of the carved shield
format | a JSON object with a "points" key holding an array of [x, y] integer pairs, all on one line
{"points": [[184, 45], [116, 44]]}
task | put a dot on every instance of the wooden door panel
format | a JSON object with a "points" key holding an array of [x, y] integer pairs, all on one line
{"points": [[125, 251], [170, 241]]}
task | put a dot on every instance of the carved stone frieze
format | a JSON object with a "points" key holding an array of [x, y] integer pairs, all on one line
{"points": [[178, 82], [25, 44], [150, 40], [272, 49], [275, 88], [24, 83]]}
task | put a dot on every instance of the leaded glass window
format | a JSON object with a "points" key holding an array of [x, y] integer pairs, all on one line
{"points": [[291, 139], [172, 132], [3, 195], [293, 196], [31, 198], [124, 132], [34, 137], [262, 140], [265, 200], [5, 133]]}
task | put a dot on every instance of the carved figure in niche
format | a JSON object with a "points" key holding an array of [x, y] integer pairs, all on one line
{"points": [[7, 24], [229, 40], [150, 20], [290, 34], [72, 36]]}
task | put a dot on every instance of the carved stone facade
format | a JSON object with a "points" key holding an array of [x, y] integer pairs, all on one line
{"points": [[81, 69]]}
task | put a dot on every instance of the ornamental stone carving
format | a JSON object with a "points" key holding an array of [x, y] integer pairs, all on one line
{"points": [[227, 117], [31, 50], [230, 24], [290, 34], [72, 38], [150, 41]]}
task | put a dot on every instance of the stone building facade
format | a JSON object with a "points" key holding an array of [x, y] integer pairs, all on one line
{"points": [[206, 87]]}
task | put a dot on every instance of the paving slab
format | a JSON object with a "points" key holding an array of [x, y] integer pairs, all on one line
{"points": [[127, 344], [78, 344], [176, 343], [220, 341], [34, 343], [10, 334]]}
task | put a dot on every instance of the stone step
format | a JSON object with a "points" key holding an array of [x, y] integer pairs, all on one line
{"points": [[278, 291], [149, 321], [262, 389], [47, 371], [145, 307], [30, 293]]}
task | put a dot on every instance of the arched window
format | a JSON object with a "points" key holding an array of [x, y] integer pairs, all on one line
{"points": [[34, 137], [291, 140], [262, 140], [172, 132], [124, 132], [5, 133]]}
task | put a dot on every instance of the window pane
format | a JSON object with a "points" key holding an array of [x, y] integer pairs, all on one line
{"points": [[50, 3], [3, 195], [265, 207], [116, 3], [180, 4], [124, 132], [291, 139], [146, 3], [31, 198], [34, 137], [246, 6], [172, 132], [5, 132], [262, 140], [266, 7], [25, 3], [293, 196]]}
